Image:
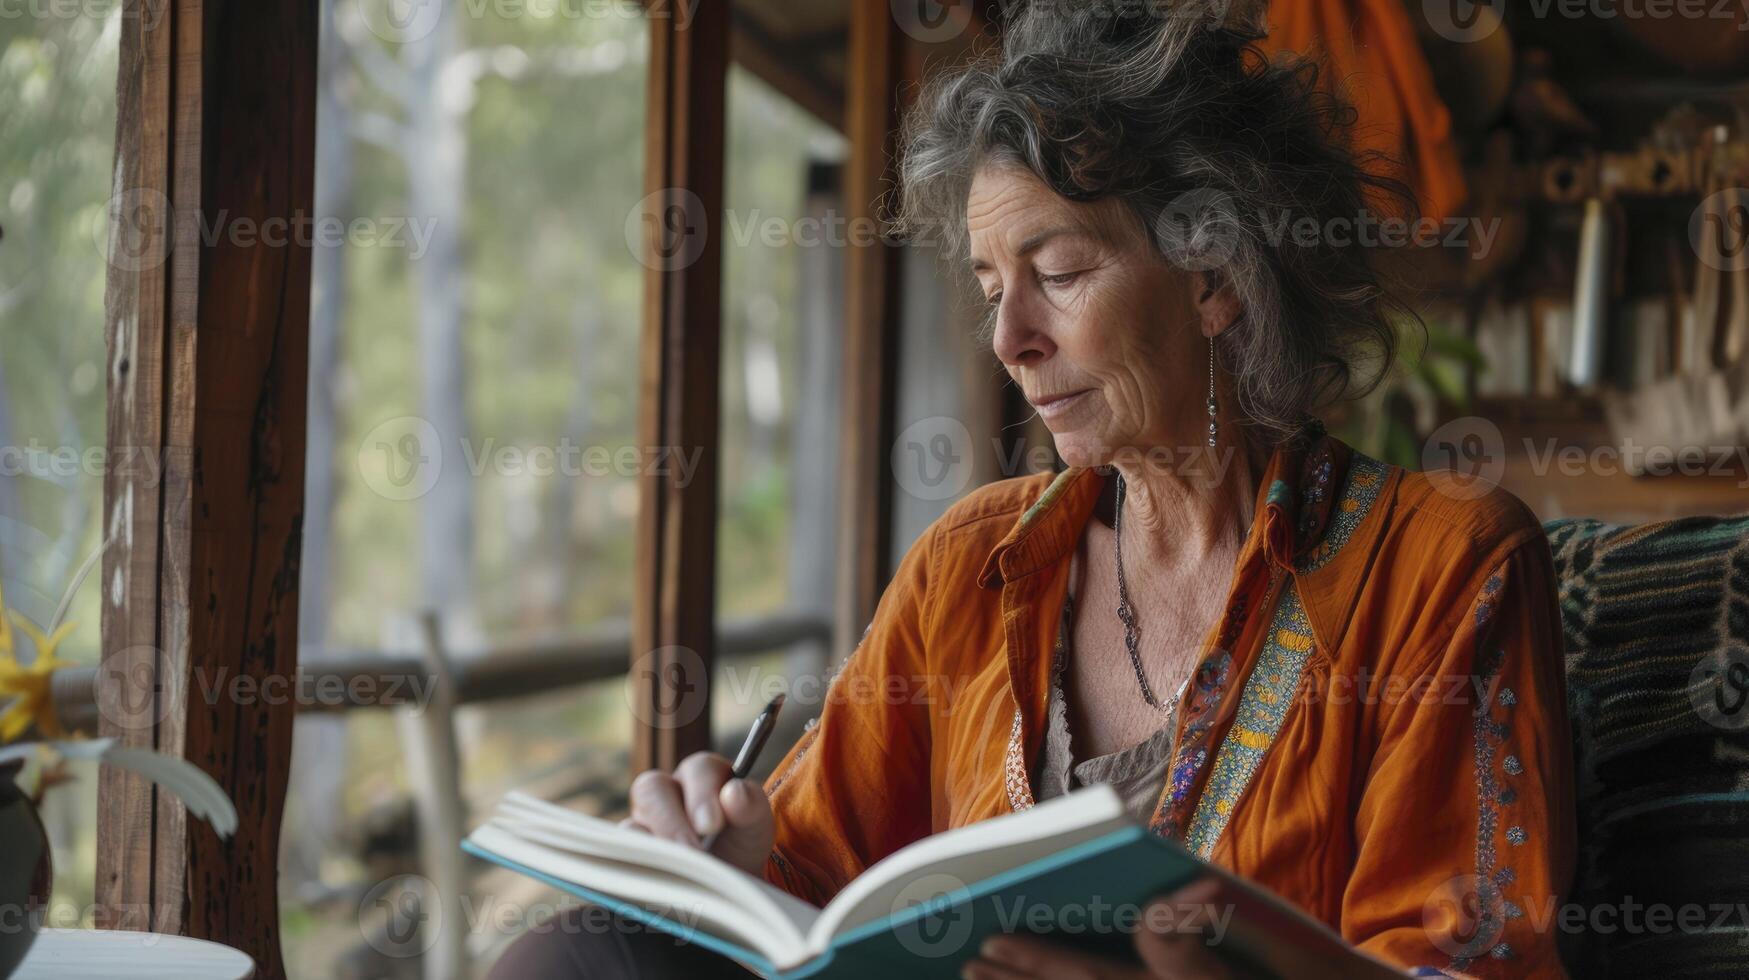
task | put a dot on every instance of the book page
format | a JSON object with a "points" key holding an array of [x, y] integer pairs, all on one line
{"points": [[733, 884], [679, 900], [969, 854], [593, 841], [594, 837]]}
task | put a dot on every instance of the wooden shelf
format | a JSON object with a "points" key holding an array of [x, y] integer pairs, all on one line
{"points": [[1541, 436], [1621, 497]]}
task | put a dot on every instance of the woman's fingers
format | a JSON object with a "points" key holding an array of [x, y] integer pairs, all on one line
{"points": [[749, 828], [701, 776], [700, 799], [1172, 943], [989, 970], [1179, 955], [658, 805], [1005, 957]]}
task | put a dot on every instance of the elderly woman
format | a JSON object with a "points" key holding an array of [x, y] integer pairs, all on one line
{"points": [[1337, 678]]}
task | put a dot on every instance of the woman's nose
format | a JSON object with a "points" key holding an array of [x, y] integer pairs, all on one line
{"points": [[1020, 338]]}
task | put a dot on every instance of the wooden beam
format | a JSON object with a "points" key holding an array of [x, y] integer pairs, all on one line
{"points": [[872, 310], [673, 613], [792, 69], [207, 327]]}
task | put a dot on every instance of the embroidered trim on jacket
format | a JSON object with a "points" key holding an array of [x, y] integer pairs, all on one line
{"points": [[1366, 477], [1058, 484], [1014, 769], [1262, 708], [1489, 738]]}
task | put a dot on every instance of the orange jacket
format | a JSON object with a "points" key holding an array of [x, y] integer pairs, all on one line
{"points": [[1376, 732]]}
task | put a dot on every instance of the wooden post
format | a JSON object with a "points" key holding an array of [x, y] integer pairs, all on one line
{"points": [[673, 641], [207, 322], [432, 751], [871, 319]]}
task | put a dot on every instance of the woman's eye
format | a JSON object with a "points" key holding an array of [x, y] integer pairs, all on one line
{"points": [[1061, 279], [994, 299]]}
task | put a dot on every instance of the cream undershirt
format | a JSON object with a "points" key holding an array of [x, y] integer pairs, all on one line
{"points": [[1138, 772]]}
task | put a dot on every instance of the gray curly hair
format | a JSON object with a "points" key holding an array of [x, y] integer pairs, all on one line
{"points": [[1163, 106]]}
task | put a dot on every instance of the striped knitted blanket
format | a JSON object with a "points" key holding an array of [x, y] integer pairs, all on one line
{"points": [[1656, 621]]}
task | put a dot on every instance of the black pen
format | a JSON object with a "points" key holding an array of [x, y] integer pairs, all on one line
{"points": [[757, 736]]}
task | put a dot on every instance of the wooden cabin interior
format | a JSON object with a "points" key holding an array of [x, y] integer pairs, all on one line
{"points": [[397, 470]]}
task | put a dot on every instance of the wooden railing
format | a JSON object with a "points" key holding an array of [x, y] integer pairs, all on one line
{"points": [[491, 673], [425, 687]]}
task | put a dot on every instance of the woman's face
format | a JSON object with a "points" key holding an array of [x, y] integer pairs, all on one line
{"points": [[1107, 340]]}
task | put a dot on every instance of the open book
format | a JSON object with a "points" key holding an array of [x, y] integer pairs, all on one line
{"points": [[1076, 866]]}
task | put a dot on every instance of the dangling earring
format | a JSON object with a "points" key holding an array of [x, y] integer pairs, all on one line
{"points": [[1213, 428]]}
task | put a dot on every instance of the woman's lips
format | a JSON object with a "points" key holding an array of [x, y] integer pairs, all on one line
{"points": [[1055, 407]]}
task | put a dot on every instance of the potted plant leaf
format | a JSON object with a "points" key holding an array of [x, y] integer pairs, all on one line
{"points": [[30, 729]]}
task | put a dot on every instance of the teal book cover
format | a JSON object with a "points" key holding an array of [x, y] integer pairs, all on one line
{"points": [[1091, 895]]}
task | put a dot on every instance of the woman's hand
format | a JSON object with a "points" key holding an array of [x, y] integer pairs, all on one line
{"points": [[1176, 948], [1166, 955], [1178, 952], [699, 799]]}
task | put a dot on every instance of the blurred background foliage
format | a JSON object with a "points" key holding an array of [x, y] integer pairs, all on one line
{"points": [[57, 140], [545, 121]]}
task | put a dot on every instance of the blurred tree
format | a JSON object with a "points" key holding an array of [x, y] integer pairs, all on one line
{"points": [[57, 125], [57, 142]]}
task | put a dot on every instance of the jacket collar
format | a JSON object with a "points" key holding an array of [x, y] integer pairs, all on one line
{"points": [[1295, 499]]}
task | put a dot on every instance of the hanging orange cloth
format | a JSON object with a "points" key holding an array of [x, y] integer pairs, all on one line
{"points": [[1373, 59]]}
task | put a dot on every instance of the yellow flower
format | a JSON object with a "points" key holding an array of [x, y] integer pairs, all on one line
{"points": [[32, 698]]}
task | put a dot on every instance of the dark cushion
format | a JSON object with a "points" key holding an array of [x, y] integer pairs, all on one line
{"points": [[1656, 622]]}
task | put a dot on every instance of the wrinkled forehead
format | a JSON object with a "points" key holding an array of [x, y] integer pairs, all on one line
{"points": [[1011, 213]]}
